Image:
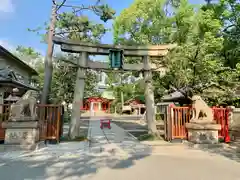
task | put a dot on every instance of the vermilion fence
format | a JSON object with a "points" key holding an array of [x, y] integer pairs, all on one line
{"points": [[221, 116], [176, 120], [50, 120], [4, 114], [179, 116]]}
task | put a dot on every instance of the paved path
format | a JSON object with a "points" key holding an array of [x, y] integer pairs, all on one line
{"points": [[115, 141], [114, 154]]}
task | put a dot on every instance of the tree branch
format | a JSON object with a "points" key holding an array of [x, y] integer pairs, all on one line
{"points": [[59, 5]]}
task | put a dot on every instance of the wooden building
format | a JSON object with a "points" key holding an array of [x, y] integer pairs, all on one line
{"points": [[96, 104], [134, 106], [14, 73]]}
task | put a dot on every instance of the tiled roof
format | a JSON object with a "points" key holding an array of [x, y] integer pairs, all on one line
{"points": [[7, 77], [5, 52]]}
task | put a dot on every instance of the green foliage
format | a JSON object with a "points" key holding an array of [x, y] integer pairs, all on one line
{"points": [[143, 23], [74, 25], [33, 59], [64, 77], [63, 82], [105, 12], [228, 12], [29, 52], [149, 137], [117, 84], [207, 54]]}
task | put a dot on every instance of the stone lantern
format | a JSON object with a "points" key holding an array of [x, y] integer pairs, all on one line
{"points": [[13, 98]]}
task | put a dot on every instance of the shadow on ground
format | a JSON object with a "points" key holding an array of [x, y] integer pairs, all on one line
{"points": [[134, 127], [52, 165], [74, 160], [83, 131], [230, 151]]}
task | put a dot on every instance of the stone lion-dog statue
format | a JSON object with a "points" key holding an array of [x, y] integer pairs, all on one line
{"points": [[25, 106], [201, 111]]}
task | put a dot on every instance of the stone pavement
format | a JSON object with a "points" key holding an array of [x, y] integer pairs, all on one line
{"points": [[114, 140], [114, 154]]}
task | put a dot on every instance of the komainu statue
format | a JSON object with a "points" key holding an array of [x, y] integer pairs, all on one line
{"points": [[24, 107], [202, 111]]}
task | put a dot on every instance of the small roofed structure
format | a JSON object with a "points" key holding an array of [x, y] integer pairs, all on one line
{"points": [[9, 81], [177, 96], [182, 95], [12, 98], [96, 104], [134, 106], [14, 73], [5, 54]]}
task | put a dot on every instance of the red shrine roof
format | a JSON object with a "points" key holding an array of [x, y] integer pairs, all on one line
{"points": [[96, 99], [133, 102]]}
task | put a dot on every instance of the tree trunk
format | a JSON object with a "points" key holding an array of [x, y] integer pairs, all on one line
{"points": [[149, 98], [48, 58], [78, 98]]}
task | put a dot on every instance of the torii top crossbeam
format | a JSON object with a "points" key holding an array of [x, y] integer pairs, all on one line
{"points": [[103, 49]]}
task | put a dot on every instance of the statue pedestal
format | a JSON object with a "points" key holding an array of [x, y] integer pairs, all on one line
{"points": [[21, 135], [203, 132]]}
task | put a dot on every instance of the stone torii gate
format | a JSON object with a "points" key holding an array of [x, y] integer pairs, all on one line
{"points": [[83, 63]]}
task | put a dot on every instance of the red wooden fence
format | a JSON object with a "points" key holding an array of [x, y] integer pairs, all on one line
{"points": [[4, 114], [179, 116], [50, 121]]}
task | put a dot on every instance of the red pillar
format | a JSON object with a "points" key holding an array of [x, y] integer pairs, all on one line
{"points": [[109, 105], [227, 138], [103, 106]]}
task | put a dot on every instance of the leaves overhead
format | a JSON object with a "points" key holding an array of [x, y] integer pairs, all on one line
{"points": [[207, 54], [75, 24]]}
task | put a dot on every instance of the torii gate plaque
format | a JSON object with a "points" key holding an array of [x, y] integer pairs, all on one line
{"points": [[86, 49]]}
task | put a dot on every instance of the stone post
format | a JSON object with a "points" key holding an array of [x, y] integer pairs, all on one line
{"points": [[149, 96], [21, 135], [22, 128], [78, 96]]}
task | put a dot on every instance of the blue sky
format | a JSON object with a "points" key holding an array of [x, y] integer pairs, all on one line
{"points": [[18, 15]]}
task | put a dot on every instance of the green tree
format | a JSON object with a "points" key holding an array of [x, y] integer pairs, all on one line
{"points": [[64, 77], [33, 59], [198, 61], [228, 12], [144, 22], [76, 25]]}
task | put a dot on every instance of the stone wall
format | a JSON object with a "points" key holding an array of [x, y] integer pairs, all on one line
{"points": [[234, 123]]}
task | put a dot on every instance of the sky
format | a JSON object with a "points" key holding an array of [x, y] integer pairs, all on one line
{"points": [[16, 16]]}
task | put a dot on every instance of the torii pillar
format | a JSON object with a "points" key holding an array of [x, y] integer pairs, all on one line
{"points": [[78, 95], [103, 49]]}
